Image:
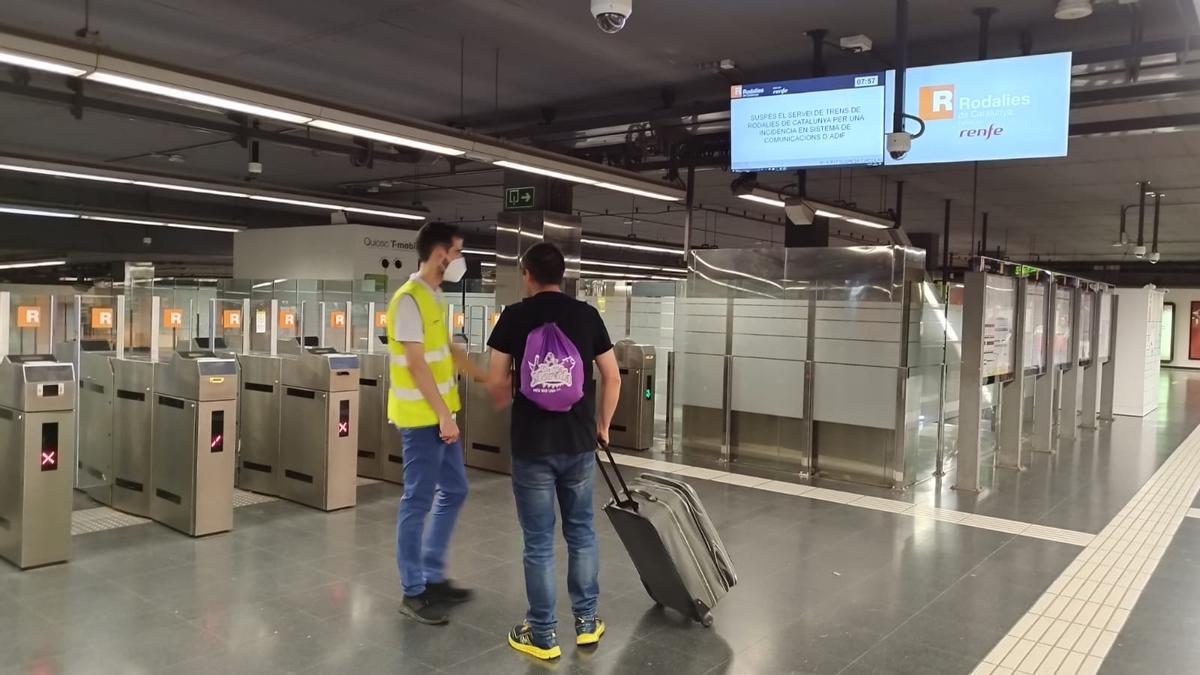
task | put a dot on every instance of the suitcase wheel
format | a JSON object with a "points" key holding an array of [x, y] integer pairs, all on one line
{"points": [[707, 621]]}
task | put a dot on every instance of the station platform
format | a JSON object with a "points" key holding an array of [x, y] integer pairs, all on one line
{"points": [[1082, 563]]}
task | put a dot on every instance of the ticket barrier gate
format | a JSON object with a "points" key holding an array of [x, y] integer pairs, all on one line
{"points": [[259, 404], [194, 442], [319, 426], [633, 422], [380, 452], [37, 427], [132, 435], [485, 431]]}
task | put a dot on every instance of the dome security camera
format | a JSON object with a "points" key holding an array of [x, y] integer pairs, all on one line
{"points": [[1154, 257], [1139, 251], [611, 15]]}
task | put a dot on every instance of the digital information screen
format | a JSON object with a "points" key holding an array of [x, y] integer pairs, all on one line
{"points": [[1014, 108], [826, 121]]}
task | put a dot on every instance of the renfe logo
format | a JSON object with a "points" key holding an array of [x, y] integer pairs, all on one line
{"points": [[937, 102]]}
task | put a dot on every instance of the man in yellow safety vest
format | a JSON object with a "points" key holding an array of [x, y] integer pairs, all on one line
{"points": [[422, 402]]}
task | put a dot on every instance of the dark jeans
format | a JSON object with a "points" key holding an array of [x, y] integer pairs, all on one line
{"points": [[537, 482], [435, 478]]}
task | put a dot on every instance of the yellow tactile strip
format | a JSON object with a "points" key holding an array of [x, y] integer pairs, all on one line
{"points": [[1073, 625]]}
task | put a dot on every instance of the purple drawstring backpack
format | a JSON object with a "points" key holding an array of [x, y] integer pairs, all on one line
{"points": [[552, 374]]}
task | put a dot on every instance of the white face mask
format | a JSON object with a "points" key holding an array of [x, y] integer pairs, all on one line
{"points": [[455, 270]]}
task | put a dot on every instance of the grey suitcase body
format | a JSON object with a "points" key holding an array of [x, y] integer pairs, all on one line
{"points": [[672, 542]]}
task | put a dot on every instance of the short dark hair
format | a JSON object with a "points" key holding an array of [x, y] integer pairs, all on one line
{"points": [[545, 263], [434, 234]]}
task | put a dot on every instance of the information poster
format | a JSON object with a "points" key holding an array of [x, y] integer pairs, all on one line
{"points": [[1106, 300], [824, 121], [1085, 326], [1062, 327], [999, 317], [1167, 339], [1194, 332], [1035, 327]]}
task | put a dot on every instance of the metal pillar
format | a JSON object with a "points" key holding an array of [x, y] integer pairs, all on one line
{"points": [[1043, 410], [1012, 392], [1108, 369], [1089, 405], [970, 387], [1068, 421]]}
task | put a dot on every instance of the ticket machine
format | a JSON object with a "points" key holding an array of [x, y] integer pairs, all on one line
{"points": [[318, 425], [194, 442], [37, 459]]}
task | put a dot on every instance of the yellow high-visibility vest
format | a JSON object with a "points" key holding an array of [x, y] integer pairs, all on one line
{"points": [[407, 408]]}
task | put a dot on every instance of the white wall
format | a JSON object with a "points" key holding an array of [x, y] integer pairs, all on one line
{"points": [[1183, 298], [1136, 355], [324, 252]]}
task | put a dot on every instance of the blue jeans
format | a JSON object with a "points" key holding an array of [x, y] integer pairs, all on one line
{"points": [[435, 478], [536, 484]]}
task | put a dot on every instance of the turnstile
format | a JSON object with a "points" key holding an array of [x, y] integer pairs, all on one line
{"points": [[132, 435], [37, 428], [194, 442], [380, 453], [319, 427], [485, 431], [259, 403], [633, 422]]}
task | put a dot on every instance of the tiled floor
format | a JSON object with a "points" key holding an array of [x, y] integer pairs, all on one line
{"points": [[826, 587]]}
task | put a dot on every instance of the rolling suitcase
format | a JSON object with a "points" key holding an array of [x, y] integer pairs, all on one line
{"points": [[672, 541]]}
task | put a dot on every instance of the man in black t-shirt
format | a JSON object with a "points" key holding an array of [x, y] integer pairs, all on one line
{"points": [[553, 452]]}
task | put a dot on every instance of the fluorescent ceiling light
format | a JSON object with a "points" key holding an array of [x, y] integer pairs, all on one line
{"points": [[41, 64], [268, 283], [386, 214], [475, 251], [36, 212], [386, 138], [193, 96], [297, 202], [209, 228], [543, 172], [779, 203], [487, 264], [827, 214], [130, 221], [636, 191], [189, 188], [867, 223], [632, 247], [38, 263], [62, 174], [161, 223]]}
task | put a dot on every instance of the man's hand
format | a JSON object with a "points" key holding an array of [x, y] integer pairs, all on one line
{"points": [[602, 433], [448, 429]]}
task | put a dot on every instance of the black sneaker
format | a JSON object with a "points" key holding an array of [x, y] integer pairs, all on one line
{"points": [[544, 647], [423, 609], [446, 591], [588, 630]]}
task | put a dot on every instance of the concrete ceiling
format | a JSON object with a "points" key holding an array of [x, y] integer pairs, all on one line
{"points": [[403, 57]]}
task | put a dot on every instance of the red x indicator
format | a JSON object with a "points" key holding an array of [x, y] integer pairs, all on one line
{"points": [[49, 460]]}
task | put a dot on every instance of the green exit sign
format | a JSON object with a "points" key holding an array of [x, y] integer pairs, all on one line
{"points": [[518, 198]]}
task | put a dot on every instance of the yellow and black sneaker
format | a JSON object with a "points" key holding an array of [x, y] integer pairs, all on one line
{"points": [[545, 647], [588, 630]]}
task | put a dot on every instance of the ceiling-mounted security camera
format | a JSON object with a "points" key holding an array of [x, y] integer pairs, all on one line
{"points": [[899, 143], [611, 15], [1139, 251], [1155, 257]]}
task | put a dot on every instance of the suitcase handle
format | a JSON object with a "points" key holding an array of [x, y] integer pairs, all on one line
{"points": [[628, 501]]}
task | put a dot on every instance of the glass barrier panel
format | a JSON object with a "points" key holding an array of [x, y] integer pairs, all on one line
{"points": [[89, 341]]}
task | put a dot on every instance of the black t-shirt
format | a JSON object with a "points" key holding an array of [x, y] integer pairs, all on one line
{"points": [[537, 432]]}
